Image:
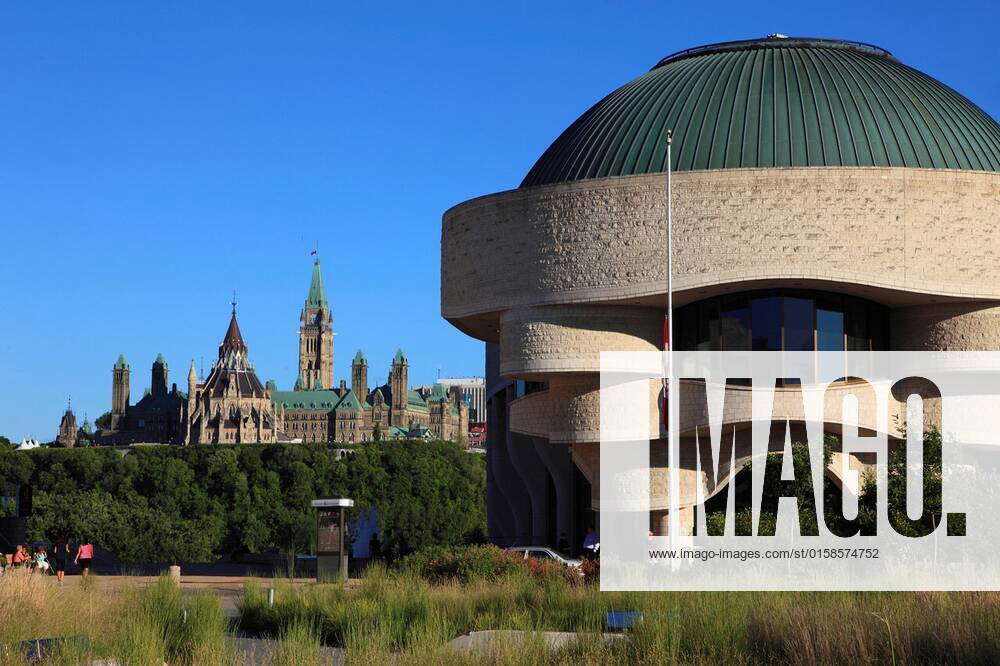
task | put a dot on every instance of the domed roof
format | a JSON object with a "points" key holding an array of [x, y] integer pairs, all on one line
{"points": [[776, 101]]}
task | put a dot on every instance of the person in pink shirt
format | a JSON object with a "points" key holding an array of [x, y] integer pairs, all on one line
{"points": [[84, 556], [20, 556]]}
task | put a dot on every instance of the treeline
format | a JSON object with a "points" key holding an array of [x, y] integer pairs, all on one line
{"points": [[200, 503]]}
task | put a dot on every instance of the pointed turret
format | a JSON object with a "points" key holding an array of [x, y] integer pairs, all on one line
{"points": [[316, 337], [158, 382], [233, 342], [359, 376], [316, 299], [120, 383], [399, 386]]}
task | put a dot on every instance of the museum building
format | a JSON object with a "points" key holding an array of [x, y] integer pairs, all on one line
{"points": [[826, 197]]}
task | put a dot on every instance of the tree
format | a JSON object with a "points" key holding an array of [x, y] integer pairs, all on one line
{"points": [[103, 422], [199, 503]]}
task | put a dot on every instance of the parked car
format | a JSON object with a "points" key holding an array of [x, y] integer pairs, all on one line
{"points": [[543, 553]]}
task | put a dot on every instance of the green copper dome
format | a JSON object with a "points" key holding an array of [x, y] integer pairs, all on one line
{"points": [[771, 102]]}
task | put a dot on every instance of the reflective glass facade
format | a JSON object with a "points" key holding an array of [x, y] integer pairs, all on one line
{"points": [[782, 320]]}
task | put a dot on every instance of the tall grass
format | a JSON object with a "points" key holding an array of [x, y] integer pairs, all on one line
{"points": [[137, 626], [399, 616]]}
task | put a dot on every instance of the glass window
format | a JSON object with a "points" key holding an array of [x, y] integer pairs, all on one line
{"points": [[775, 320], [686, 328], [878, 328], [765, 323], [829, 328], [857, 326], [708, 325], [798, 318], [734, 323]]}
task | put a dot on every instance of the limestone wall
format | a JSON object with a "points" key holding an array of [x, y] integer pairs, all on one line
{"points": [[925, 231]]}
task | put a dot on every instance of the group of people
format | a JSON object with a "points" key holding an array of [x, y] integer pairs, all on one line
{"points": [[43, 562]]}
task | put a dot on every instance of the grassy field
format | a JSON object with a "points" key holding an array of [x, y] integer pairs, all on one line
{"points": [[137, 626], [401, 618], [394, 616]]}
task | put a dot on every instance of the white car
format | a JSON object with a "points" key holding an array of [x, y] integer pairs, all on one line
{"points": [[543, 553]]}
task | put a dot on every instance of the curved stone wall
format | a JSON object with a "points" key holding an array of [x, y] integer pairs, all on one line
{"points": [[539, 340], [886, 232], [557, 273], [965, 326]]}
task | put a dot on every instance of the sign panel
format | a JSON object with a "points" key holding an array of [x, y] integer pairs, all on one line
{"points": [[328, 540]]}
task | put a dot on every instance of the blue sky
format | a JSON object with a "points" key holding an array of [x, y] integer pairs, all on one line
{"points": [[156, 156]]}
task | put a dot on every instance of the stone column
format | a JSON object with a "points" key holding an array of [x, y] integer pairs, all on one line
{"points": [[501, 514], [560, 466], [535, 477], [509, 483]]}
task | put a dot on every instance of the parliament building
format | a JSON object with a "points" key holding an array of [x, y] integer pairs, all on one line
{"points": [[232, 405]]}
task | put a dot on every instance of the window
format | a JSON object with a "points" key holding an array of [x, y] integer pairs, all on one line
{"points": [[782, 319]]}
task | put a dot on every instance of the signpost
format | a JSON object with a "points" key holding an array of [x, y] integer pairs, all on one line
{"points": [[331, 539]]}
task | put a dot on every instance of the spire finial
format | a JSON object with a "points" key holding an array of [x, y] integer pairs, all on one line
{"points": [[234, 302]]}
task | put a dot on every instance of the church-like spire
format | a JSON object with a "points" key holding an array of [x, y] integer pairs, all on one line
{"points": [[317, 299], [234, 339]]}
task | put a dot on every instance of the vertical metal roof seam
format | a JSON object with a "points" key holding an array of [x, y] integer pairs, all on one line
{"points": [[851, 111], [795, 111], [605, 148], [653, 142], [601, 118], [688, 147], [903, 76], [896, 104], [722, 81], [753, 86], [875, 129], [817, 110], [812, 56], [630, 145], [960, 110], [885, 130], [598, 124], [947, 118], [618, 133], [917, 122], [728, 103]]}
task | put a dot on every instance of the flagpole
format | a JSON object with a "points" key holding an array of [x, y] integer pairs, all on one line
{"points": [[673, 455]]}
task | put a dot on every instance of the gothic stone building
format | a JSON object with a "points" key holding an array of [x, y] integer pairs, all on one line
{"points": [[315, 411], [232, 405], [156, 417]]}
